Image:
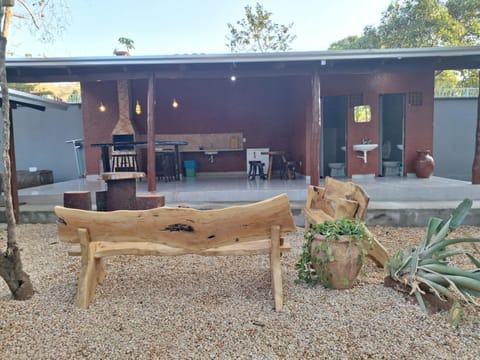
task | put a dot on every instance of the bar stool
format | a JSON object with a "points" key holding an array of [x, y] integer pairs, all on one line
{"points": [[288, 170], [256, 168]]}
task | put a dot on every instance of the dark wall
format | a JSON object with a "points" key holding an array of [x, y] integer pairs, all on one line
{"points": [[418, 119], [263, 109]]}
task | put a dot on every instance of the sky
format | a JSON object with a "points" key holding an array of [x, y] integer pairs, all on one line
{"points": [[168, 27]]}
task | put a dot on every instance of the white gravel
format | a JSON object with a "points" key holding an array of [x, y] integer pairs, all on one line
{"points": [[194, 307]]}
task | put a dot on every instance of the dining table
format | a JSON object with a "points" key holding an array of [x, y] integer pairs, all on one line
{"points": [[106, 146]]}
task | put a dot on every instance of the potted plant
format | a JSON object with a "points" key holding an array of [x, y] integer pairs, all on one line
{"points": [[333, 253], [427, 268], [126, 45]]}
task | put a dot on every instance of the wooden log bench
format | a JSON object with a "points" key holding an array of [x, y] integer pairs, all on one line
{"points": [[252, 229]]}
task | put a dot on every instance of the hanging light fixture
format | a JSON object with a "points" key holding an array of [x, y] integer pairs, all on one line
{"points": [[233, 70], [102, 107], [138, 108], [174, 103]]}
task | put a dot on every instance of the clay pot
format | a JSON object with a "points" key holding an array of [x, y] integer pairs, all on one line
{"points": [[424, 164], [343, 271]]}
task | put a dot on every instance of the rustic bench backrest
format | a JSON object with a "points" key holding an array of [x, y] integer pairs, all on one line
{"points": [[184, 228], [317, 196]]}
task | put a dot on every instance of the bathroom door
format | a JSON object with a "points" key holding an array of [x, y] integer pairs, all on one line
{"points": [[392, 134], [333, 135]]}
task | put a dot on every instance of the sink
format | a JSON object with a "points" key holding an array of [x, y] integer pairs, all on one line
{"points": [[343, 148], [364, 147], [400, 147], [210, 155]]}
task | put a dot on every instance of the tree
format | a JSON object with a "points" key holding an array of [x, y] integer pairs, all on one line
{"points": [[424, 23], [11, 268], [258, 33]]}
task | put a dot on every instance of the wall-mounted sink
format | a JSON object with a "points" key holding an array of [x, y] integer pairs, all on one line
{"points": [[400, 147], [344, 148], [364, 148], [211, 154]]}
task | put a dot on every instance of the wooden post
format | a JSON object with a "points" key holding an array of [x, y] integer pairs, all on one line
{"points": [[152, 181], [476, 159], [315, 131]]}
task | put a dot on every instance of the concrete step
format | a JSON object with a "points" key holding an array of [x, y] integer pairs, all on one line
{"points": [[405, 213]]}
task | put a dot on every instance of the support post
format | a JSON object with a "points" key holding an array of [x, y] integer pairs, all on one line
{"points": [[151, 173], [315, 131], [476, 159]]}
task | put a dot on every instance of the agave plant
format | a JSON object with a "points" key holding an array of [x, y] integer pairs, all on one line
{"points": [[428, 266]]}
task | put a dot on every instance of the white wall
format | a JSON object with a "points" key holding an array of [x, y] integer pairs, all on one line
{"points": [[40, 140], [455, 123]]}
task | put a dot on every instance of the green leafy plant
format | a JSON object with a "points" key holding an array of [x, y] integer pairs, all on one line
{"points": [[428, 267], [352, 231], [126, 45]]}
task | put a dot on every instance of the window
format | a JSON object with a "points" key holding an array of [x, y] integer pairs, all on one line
{"points": [[362, 114]]}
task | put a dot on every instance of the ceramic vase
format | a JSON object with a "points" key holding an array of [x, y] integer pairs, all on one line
{"points": [[424, 164], [342, 272]]}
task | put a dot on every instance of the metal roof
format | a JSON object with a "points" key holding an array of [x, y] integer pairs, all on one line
{"points": [[69, 68], [33, 101]]}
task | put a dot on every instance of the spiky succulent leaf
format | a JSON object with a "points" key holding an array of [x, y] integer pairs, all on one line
{"points": [[442, 233], [433, 225], [473, 260], [435, 248], [460, 213], [455, 314], [449, 270], [421, 302]]}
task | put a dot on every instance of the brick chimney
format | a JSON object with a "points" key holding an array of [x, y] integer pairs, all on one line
{"points": [[124, 124]]}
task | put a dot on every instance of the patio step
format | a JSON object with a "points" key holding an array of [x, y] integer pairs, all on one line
{"points": [[398, 213]]}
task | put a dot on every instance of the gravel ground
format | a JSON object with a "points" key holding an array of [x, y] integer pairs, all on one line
{"points": [[220, 307]]}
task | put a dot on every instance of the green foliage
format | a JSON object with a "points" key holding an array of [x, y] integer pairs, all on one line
{"points": [[258, 33], [421, 23], [127, 43], [424, 23], [428, 265], [25, 87], [333, 231]]}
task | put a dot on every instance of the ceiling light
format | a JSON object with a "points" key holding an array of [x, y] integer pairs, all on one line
{"points": [[138, 108]]}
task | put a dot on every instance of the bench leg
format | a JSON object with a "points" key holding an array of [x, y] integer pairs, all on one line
{"points": [[275, 267], [92, 271]]}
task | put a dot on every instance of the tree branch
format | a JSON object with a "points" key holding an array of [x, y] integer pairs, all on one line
{"points": [[32, 15]]}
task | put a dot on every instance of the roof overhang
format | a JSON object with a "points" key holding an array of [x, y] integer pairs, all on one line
{"points": [[19, 98], [253, 64]]}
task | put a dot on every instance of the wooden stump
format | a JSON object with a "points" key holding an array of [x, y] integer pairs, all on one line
{"points": [[150, 201], [77, 200]]}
